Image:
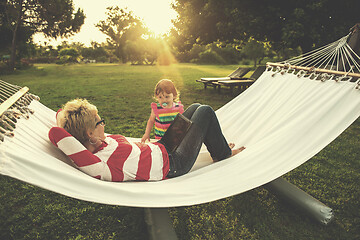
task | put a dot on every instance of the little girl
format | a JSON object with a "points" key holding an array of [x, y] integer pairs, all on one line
{"points": [[163, 112]]}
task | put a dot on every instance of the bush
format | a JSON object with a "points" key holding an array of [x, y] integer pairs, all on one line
{"points": [[210, 57], [68, 55], [23, 64], [245, 62], [97, 53], [4, 68], [229, 54], [103, 59], [196, 50], [69, 51], [182, 57]]}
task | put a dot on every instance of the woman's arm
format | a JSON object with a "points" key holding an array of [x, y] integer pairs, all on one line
{"points": [[149, 126], [59, 118]]}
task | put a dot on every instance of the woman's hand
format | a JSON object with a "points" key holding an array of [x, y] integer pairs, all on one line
{"points": [[145, 138]]}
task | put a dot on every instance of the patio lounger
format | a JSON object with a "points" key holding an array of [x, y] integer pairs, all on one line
{"points": [[237, 74], [241, 83]]}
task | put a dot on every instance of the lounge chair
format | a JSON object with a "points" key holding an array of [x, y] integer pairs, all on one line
{"points": [[241, 83], [237, 74]]}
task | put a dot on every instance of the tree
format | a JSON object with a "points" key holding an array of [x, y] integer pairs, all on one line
{"points": [[121, 26], [5, 32], [54, 18], [153, 47], [254, 50], [305, 23], [134, 51], [24, 33]]}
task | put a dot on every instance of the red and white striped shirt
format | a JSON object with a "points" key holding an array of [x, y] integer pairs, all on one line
{"points": [[117, 160]]}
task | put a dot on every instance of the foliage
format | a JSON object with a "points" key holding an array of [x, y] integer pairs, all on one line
{"points": [[254, 50], [121, 27], [6, 35], [76, 51], [287, 53], [305, 23], [47, 51], [52, 17], [95, 52], [129, 40], [123, 94], [195, 51], [135, 51], [229, 52], [209, 57], [213, 53], [69, 51], [153, 48], [69, 55]]}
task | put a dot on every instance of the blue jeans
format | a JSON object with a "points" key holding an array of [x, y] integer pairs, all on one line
{"points": [[205, 129]]}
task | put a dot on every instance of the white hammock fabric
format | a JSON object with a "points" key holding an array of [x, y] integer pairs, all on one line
{"points": [[283, 121]]}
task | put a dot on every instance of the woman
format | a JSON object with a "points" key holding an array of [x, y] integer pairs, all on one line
{"points": [[118, 159]]}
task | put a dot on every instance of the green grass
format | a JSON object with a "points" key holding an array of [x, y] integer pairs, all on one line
{"points": [[123, 94]]}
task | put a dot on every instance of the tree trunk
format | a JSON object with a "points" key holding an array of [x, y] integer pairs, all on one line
{"points": [[13, 50], [14, 39], [354, 43], [354, 40]]}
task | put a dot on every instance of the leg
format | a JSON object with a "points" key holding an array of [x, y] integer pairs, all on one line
{"points": [[205, 119], [191, 109], [205, 129]]}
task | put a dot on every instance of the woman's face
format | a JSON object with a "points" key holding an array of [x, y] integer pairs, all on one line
{"points": [[165, 99], [99, 131]]}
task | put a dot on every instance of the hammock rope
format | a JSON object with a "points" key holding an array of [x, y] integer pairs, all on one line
{"points": [[14, 104], [337, 55], [337, 58]]}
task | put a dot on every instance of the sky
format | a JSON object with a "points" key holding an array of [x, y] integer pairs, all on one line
{"points": [[157, 15]]}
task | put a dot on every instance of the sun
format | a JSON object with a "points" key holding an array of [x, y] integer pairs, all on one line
{"points": [[156, 14]]}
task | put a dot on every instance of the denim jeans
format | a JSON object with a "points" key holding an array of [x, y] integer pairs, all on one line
{"points": [[205, 129]]}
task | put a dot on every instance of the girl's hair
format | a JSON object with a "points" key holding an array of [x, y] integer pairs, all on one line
{"points": [[77, 117], [167, 86]]}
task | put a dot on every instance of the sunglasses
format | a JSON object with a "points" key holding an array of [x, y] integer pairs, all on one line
{"points": [[101, 122]]}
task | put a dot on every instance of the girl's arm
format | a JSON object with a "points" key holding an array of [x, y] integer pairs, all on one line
{"points": [[149, 126]]}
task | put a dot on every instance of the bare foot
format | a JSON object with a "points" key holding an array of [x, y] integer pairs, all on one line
{"points": [[236, 151]]}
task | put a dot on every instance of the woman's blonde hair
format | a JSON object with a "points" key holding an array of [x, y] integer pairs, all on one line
{"points": [[77, 117], [167, 86]]}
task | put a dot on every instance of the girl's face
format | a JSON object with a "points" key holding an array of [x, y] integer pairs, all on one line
{"points": [[165, 99]]}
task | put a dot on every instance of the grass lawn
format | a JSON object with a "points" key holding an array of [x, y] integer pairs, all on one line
{"points": [[123, 94]]}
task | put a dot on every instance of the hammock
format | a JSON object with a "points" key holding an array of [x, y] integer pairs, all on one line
{"points": [[283, 119]]}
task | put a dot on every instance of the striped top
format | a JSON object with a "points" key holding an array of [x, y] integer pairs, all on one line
{"points": [[117, 159], [164, 117]]}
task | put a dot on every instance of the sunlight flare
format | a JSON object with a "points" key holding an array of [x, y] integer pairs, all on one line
{"points": [[156, 15]]}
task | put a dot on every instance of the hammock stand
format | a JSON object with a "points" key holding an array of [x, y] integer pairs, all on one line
{"points": [[17, 100]]}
